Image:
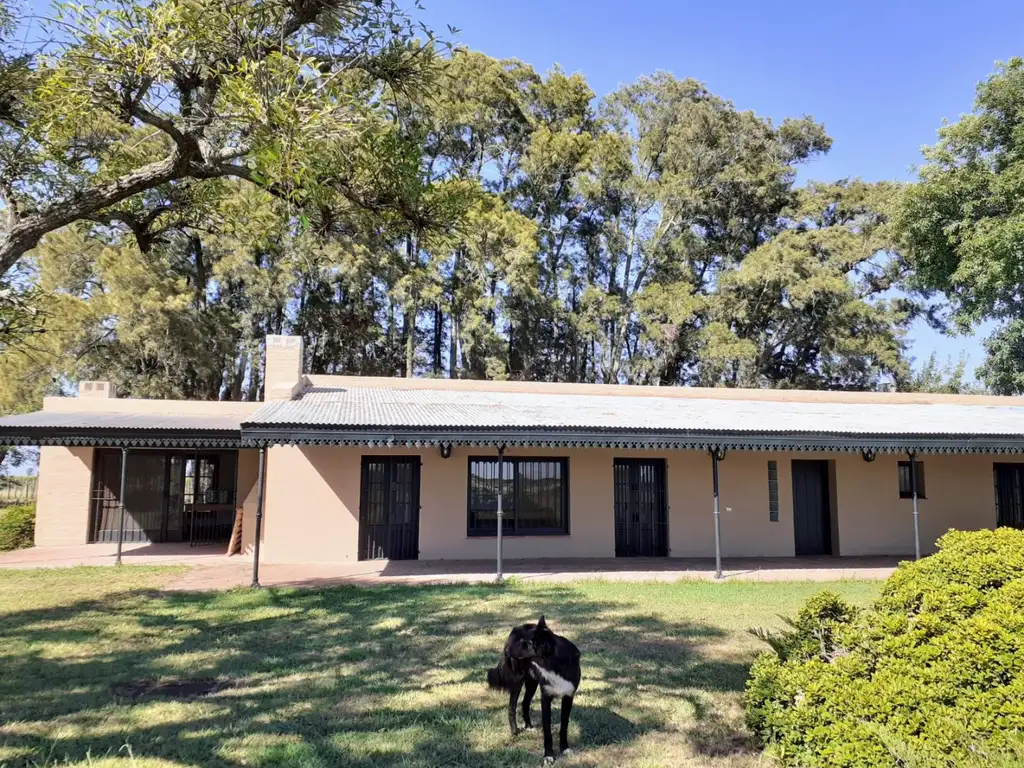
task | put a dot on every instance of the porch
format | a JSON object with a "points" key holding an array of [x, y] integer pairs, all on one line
{"points": [[133, 553], [211, 569]]}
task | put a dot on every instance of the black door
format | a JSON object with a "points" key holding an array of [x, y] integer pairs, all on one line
{"points": [[1010, 495], [811, 519], [641, 522], [389, 508]]}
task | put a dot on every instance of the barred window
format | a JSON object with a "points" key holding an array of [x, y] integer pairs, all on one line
{"points": [[773, 491], [535, 496]]}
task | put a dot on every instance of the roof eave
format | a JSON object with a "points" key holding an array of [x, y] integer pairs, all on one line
{"points": [[651, 440], [118, 438]]}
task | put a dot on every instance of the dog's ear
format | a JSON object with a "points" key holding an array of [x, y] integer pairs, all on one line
{"points": [[543, 639]]}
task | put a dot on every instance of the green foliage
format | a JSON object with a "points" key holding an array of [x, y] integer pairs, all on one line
{"points": [[1003, 369], [961, 221], [412, 213], [813, 301], [813, 632], [931, 675], [944, 379], [141, 104], [17, 527], [22, 315]]}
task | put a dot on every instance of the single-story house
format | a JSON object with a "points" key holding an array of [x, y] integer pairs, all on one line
{"points": [[359, 468]]}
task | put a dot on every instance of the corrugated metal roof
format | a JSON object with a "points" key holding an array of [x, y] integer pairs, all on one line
{"points": [[324, 382], [108, 420], [395, 408]]}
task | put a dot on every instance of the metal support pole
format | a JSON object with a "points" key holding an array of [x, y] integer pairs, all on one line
{"points": [[259, 519], [501, 514], [913, 491], [717, 454], [120, 527], [195, 498]]}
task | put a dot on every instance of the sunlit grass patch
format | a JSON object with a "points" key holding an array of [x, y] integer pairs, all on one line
{"points": [[370, 676]]}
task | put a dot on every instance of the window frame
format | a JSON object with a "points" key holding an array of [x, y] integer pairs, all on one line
{"points": [[476, 533], [922, 484]]}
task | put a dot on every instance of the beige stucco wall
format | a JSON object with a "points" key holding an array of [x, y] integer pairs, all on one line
{"points": [[248, 465], [444, 495], [747, 530], [874, 520], [62, 506], [132, 405], [311, 511], [312, 504], [312, 507]]}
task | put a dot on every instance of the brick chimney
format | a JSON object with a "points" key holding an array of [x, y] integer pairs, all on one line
{"points": [[97, 389], [283, 375]]}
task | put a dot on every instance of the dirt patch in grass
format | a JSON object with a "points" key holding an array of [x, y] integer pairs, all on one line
{"points": [[186, 688]]}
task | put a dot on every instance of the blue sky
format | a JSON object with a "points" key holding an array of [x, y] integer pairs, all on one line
{"points": [[880, 75]]}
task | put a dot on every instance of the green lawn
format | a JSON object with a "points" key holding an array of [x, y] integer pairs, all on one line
{"points": [[370, 677]]}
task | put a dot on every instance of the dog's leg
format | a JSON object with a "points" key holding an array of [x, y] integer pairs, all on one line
{"points": [[513, 699], [563, 732], [531, 688], [545, 717]]}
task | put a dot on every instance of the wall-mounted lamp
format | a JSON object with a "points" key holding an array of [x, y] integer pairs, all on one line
{"points": [[868, 455], [446, 450]]}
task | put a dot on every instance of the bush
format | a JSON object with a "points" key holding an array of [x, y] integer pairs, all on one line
{"points": [[931, 675], [17, 527]]}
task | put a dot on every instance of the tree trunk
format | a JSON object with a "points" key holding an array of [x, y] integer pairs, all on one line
{"points": [[238, 378], [256, 363], [453, 349], [438, 337], [409, 330], [196, 244]]}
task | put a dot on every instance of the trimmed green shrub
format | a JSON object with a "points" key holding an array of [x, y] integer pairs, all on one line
{"points": [[17, 527], [931, 675]]}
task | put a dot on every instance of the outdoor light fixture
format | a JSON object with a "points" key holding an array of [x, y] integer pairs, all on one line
{"points": [[868, 455], [446, 450]]}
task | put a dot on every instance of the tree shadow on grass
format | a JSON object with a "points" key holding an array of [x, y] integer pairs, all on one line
{"points": [[342, 676]]}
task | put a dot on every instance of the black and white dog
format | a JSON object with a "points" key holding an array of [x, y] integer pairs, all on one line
{"points": [[534, 656]]}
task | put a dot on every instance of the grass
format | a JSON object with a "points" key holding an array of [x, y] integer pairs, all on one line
{"points": [[371, 676]]}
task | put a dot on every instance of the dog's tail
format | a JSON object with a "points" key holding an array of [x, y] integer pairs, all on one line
{"points": [[501, 677], [494, 678]]}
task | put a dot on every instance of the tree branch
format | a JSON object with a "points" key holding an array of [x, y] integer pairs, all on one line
{"points": [[27, 233], [186, 144]]}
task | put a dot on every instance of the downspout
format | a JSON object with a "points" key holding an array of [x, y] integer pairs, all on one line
{"points": [[913, 490], [259, 519], [501, 482], [717, 454], [120, 527]]}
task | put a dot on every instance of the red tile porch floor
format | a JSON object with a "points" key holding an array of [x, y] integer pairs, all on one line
{"points": [[210, 569]]}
